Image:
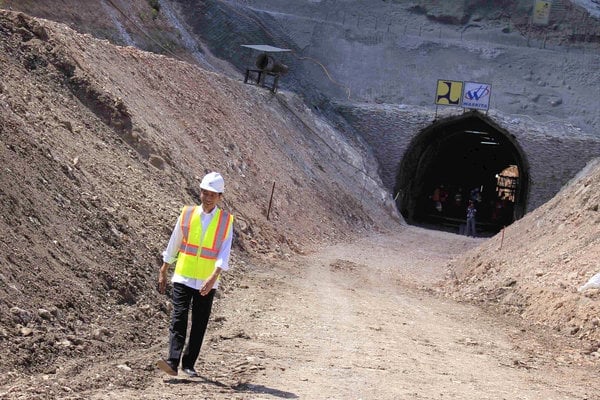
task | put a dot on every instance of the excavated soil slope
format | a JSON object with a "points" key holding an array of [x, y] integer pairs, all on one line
{"points": [[537, 265], [100, 148]]}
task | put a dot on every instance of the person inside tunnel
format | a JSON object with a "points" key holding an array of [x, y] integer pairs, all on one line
{"points": [[466, 158]]}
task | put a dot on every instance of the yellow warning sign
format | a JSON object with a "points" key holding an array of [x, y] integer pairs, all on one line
{"points": [[541, 12], [449, 93]]}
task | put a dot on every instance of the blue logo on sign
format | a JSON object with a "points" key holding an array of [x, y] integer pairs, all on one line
{"points": [[478, 93]]}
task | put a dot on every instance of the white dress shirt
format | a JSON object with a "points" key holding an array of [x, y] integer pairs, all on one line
{"points": [[170, 254]]}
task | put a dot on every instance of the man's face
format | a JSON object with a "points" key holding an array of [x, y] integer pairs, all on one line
{"points": [[209, 199]]}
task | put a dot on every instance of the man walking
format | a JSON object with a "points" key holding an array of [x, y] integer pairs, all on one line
{"points": [[200, 244]]}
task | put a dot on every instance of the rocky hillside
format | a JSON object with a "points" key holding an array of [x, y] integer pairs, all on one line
{"points": [[114, 20], [102, 145], [352, 50]]}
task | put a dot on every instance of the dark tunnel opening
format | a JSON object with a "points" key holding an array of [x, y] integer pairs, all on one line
{"points": [[458, 159]]}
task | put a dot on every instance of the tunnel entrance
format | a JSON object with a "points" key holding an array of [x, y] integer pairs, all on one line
{"points": [[457, 159]]}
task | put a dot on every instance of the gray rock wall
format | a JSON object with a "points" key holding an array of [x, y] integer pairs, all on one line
{"points": [[555, 152], [394, 52]]}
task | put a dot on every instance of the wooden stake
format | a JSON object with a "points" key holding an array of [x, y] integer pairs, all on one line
{"points": [[270, 201]]}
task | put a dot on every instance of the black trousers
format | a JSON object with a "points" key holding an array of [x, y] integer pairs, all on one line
{"points": [[185, 297]]}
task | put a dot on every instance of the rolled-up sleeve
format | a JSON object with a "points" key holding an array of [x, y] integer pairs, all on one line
{"points": [[170, 254], [225, 251]]}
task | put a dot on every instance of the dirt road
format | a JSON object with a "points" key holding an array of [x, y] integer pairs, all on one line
{"points": [[352, 321]]}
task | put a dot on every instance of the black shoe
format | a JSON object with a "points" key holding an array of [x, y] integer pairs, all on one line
{"points": [[167, 367], [191, 372]]}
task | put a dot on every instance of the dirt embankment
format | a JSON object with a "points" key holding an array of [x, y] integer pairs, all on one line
{"points": [[129, 22], [535, 267], [102, 145]]}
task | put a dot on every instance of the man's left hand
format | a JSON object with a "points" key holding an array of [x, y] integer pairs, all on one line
{"points": [[208, 285]]}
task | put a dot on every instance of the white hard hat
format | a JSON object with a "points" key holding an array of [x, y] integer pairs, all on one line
{"points": [[213, 182]]}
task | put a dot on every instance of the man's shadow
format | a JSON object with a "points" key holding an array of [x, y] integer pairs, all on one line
{"points": [[240, 387]]}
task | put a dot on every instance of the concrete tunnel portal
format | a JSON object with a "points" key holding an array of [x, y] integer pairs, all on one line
{"points": [[457, 159]]}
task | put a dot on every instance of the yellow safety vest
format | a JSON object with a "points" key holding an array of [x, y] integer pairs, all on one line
{"points": [[197, 260]]}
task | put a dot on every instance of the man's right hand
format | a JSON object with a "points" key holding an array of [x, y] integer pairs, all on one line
{"points": [[162, 278]]}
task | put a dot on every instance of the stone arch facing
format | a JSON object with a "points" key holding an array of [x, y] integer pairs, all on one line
{"points": [[458, 154]]}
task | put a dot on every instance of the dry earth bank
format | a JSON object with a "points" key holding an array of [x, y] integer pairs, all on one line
{"points": [[102, 145]]}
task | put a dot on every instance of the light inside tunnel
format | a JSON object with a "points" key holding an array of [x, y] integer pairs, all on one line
{"points": [[460, 159]]}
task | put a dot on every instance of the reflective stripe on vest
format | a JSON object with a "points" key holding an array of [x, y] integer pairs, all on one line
{"points": [[190, 262]]}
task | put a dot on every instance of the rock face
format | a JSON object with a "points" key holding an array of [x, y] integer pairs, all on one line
{"points": [[390, 56], [555, 151]]}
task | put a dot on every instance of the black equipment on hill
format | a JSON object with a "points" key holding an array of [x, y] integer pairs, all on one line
{"points": [[266, 66]]}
